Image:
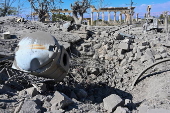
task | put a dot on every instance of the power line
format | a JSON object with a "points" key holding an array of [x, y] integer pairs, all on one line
{"points": [[131, 4]]}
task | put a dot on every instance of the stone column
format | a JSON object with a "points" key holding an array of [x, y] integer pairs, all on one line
{"points": [[109, 16], [91, 18], [97, 18], [137, 17], [114, 16], [88, 22], [103, 16], [125, 18], [120, 17]]}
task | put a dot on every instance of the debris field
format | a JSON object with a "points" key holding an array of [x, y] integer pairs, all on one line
{"points": [[105, 64]]}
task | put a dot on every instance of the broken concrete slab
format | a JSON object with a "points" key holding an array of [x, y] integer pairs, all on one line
{"points": [[124, 46], [7, 35], [60, 100], [111, 102], [122, 110], [32, 91], [30, 106]]}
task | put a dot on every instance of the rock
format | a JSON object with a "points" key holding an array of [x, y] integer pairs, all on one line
{"points": [[102, 51], [85, 46], [30, 106], [122, 110], [22, 93], [142, 48], [97, 46], [7, 35], [32, 91], [148, 55], [161, 50], [104, 33], [54, 111], [145, 43], [108, 57], [81, 93], [118, 36], [111, 102], [157, 56], [46, 104], [66, 26], [93, 70], [164, 55], [124, 46], [66, 45], [121, 51], [123, 62], [18, 108], [60, 100]]}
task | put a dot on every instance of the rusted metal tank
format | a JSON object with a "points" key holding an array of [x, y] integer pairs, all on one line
{"points": [[40, 54]]}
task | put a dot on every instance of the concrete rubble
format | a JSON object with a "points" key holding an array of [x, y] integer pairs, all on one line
{"points": [[104, 62]]}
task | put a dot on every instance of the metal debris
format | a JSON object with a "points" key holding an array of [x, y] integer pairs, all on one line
{"points": [[40, 54]]}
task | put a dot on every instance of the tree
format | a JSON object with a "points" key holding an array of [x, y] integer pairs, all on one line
{"points": [[79, 8], [161, 16], [56, 17], [42, 7], [6, 8]]}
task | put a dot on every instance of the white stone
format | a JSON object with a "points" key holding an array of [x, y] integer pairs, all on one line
{"points": [[111, 102], [60, 100]]}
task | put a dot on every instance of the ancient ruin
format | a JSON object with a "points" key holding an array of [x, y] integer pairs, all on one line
{"points": [[123, 11], [65, 67]]}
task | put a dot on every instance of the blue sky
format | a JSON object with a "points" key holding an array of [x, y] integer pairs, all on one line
{"points": [[158, 6]]}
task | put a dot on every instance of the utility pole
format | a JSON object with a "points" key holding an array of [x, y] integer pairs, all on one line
{"points": [[131, 13]]}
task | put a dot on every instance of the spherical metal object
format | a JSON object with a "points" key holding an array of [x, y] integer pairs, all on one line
{"points": [[40, 54]]}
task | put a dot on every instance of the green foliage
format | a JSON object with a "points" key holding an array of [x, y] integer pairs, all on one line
{"points": [[95, 22], [161, 16], [56, 17]]}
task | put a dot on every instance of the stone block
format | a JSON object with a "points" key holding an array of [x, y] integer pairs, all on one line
{"points": [[32, 91], [161, 50], [124, 46], [157, 56], [60, 100], [122, 110], [7, 35], [142, 48], [111, 102], [164, 55], [118, 36], [30, 106]]}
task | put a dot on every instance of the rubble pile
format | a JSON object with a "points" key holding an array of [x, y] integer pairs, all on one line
{"points": [[105, 60]]}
